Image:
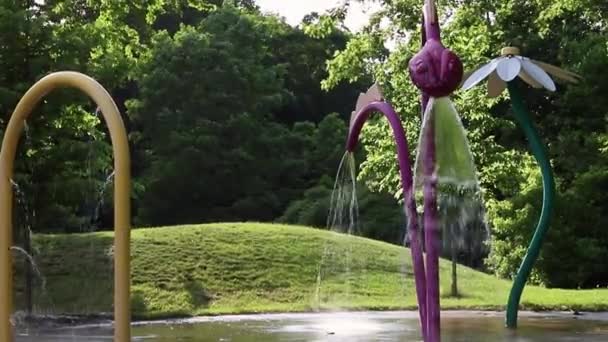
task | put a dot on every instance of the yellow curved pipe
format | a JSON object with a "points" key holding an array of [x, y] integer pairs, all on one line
{"points": [[122, 204]]}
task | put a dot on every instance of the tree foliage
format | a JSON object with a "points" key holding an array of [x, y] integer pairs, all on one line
{"points": [[225, 113]]}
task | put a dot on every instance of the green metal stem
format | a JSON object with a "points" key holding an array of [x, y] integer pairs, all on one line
{"points": [[539, 151]]}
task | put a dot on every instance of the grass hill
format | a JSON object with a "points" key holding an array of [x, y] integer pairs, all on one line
{"points": [[251, 267]]}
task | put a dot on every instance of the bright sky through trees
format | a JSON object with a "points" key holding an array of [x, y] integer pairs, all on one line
{"points": [[295, 10]]}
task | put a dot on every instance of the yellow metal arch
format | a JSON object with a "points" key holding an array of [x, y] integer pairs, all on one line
{"points": [[122, 205]]}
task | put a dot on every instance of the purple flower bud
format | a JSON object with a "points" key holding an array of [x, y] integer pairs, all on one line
{"points": [[436, 70]]}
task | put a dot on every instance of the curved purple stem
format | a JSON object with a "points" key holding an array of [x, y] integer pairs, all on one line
{"points": [[405, 171]]}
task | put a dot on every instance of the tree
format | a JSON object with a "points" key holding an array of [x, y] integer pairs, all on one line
{"points": [[206, 95], [118, 42], [304, 58], [57, 134]]}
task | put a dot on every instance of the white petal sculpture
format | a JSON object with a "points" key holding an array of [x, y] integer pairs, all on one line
{"points": [[511, 65], [373, 94]]}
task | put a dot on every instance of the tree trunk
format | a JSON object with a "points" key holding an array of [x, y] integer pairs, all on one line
{"points": [[454, 273]]}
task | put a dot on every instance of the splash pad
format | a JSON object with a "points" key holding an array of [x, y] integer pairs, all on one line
{"points": [[436, 71]]}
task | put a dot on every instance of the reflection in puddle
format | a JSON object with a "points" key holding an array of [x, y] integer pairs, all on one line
{"points": [[342, 326], [347, 327]]}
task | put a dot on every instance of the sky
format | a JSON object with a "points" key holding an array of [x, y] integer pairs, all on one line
{"points": [[295, 10]]}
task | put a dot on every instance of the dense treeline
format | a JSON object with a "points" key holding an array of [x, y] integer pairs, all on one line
{"points": [[224, 108], [235, 115]]}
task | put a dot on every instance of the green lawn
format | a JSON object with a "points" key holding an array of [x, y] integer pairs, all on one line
{"points": [[244, 268]]}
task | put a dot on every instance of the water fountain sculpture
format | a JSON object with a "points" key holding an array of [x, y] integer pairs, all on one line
{"points": [[443, 157], [502, 73], [437, 72], [122, 216]]}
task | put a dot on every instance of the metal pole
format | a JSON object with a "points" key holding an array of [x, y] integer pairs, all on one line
{"points": [[122, 204], [540, 153]]}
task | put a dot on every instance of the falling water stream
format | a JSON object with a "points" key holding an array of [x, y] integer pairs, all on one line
{"points": [[346, 272], [28, 217], [343, 218], [96, 196], [26, 212], [39, 304], [100, 199], [30, 260], [461, 211], [30, 264], [344, 209]]}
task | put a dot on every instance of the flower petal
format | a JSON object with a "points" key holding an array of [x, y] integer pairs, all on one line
{"points": [[479, 75], [465, 76], [508, 68], [526, 78], [495, 85], [558, 72], [538, 74], [362, 101], [375, 92]]}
